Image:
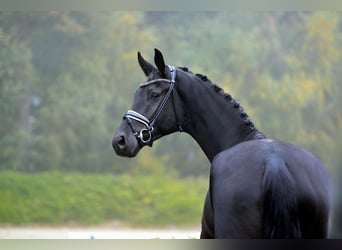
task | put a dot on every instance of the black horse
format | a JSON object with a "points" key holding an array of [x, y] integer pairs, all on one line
{"points": [[259, 188]]}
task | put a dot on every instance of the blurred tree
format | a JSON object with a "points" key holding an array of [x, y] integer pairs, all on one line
{"points": [[81, 89], [283, 67], [16, 74]]}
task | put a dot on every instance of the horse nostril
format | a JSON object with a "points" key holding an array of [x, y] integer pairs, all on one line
{"points": [[119, 142], [122, 141]]}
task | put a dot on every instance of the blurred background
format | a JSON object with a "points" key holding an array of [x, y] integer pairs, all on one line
{"points": [[66, 79]]}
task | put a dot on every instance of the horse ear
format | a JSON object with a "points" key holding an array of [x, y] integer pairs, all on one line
{"points": [[145, 66], [159, 61]]}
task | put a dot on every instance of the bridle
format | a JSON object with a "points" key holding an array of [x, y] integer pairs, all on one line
{"points": [[144, 136]]}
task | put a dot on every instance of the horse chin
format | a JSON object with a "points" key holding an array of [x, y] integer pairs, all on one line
{"points": [[128, 152]]}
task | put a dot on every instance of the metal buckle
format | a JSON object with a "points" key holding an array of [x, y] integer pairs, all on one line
{"points": [[145, 135]]}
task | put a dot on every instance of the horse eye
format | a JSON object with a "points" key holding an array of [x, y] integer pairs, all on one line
{"points": [[155, 94]]}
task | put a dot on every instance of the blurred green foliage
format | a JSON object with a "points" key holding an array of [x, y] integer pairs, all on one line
{"points": [[66, 78], [81, 199]]}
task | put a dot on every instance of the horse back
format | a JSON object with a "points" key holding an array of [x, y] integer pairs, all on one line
{"points": [[271, 189]]}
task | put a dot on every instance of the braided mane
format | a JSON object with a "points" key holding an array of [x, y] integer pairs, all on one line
{"points": [[235, 104]]}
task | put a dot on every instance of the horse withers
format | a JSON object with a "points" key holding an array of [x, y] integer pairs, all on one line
{"points": [[259, 187]]}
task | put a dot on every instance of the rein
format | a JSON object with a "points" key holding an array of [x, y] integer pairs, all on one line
{"points": [[144, 136]]}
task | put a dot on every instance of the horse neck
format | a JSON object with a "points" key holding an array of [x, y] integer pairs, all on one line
{"points": [[214, 119]]}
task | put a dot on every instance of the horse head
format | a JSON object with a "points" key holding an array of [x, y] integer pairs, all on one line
{"points": [[152, 114]]}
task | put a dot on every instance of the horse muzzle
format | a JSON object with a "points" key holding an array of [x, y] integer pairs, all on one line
{"points": [[125, 144]]}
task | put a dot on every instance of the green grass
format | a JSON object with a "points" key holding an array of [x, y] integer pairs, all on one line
{"points": [[60, 198]]}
